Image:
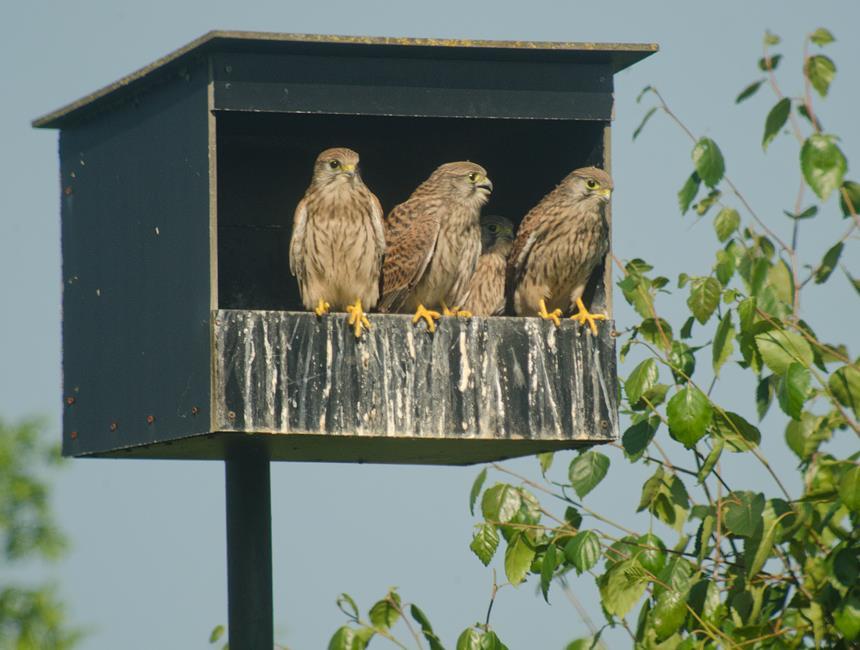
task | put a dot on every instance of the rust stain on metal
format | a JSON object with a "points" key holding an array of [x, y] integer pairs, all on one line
{"points": [[150, 419], [70, 401], [73, 435]]}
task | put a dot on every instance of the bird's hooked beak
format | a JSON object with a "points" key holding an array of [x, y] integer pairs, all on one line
{"points": [[484, 183], [605, 193], [350, 170]]}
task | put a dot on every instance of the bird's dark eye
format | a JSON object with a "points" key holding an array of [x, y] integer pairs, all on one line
{"points": [[592, 184], [473, 176], [334, 164], [492, 227]]}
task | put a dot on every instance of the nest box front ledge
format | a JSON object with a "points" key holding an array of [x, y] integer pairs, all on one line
{"points": [[476, 390]]}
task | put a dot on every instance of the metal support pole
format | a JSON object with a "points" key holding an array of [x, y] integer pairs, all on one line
{"points": [[249, 550]]}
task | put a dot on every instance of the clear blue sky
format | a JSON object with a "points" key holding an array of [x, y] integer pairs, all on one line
{"points": [[147, 566]]}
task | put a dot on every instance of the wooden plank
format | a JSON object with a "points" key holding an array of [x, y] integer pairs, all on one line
{"points": [[496, 379]]}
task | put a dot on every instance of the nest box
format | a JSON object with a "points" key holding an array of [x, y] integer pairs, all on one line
{"points": [[182, 333]]}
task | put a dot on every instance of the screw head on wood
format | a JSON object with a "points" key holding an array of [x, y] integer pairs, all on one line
{"points": [[195, 410], [150, 419], [231, 415], [114, 426], [70, 400], [73, 435]]}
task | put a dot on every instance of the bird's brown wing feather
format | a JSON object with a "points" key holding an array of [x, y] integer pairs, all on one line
{"points": [[407, 256], [297, 241], [378, 220], [532, 228]]}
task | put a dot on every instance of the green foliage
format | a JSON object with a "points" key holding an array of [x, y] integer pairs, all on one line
{"points": [[823, 164], [775, 120], [30, 617]]}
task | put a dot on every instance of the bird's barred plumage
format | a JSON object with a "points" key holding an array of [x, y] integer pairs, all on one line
{"points": [[433, 240], [338, 236], [559, 243], [486, 293]]}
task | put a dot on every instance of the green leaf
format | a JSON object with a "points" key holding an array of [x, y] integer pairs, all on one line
{"points": [[638, 436], [654, 329], [518, 558], [587, 470], [643, 377], [687, 328], [779, 281], [776, 119], [704, 298], [426, 628], [723, 338], [823, 164], [810, 212], [793, 389], [545, 459], [710, 460], [651, 488], [831, 259], [345, 600], [217, 633], [689, 413], [849, 489], [345, 638], [386, 612], [708, 161], [572, 517], [618, 593], [781, 348], [769, 63], [804, 437], [583, 550], [763, 547], [847, 617], [726, 222], [852, 189], [749, 91], [738, 434], [821, 37], [669, 613], [771, 39], [643, 92], [476, 489], [688, 192], [651, 554], [820, 70], [763, 396], [501, 502], [644, 121], [707, 203], [485, 542], [547, 570], [844, 384], [724, 270], [682, 360], [743, 513], [475, 639], [803, 111], [855, 282]]}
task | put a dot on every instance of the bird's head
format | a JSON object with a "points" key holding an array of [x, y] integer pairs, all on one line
{"points": [[465, 181], [339, 165], [495, 229], [590, 183]]}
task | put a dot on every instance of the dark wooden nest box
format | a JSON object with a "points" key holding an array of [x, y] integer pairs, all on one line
{"points": [[182, 332]]}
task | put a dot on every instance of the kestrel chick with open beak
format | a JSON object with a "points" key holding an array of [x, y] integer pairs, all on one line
{"points": [[560, 242], [433, 241], [487, 286], [338, 240]]}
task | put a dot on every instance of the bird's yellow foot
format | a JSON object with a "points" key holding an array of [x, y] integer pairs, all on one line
{"points": [[455, 311], [357, 318], [553, 315], [321, 308], [428, 315], [583, 316]]}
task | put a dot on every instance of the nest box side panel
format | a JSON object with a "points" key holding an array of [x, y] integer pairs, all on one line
{"points": [[503, 381], [136, 281]]}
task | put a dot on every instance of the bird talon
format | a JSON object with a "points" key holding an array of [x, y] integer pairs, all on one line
{"points": [[583, 316], [455, 311], [322, 307], [357, 318], [428, 315], [553, 315]]}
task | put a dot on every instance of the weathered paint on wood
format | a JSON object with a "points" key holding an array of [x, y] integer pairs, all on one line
{"points": [[504, 379]]}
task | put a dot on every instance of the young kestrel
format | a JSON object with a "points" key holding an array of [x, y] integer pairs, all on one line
{"points": [[433, 241], [559, 243], [338, 240], [486, 296]]}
